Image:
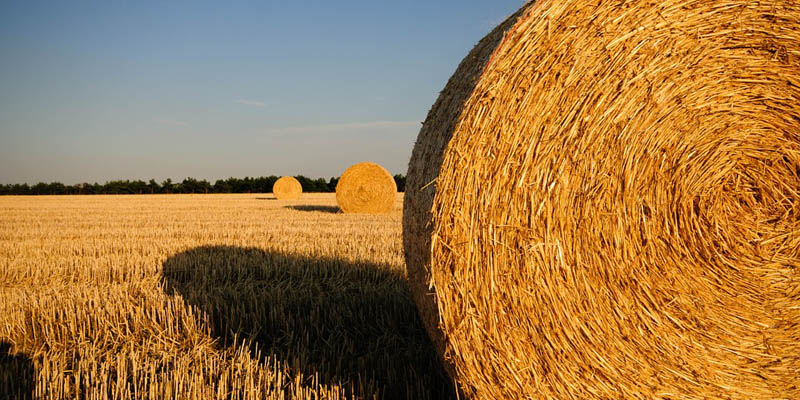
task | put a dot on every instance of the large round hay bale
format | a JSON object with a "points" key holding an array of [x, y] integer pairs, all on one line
{"points": [[604, 202], [287, 188], [366, 188]]}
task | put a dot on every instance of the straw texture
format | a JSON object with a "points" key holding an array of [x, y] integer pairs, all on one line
{"points": [[287, 188], [366, 188], [605, 203]]}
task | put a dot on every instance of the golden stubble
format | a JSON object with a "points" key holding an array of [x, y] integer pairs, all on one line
{"points": [[207, 296]]}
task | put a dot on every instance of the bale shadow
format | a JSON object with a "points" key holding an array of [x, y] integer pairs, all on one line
{"points": [[324, 209], [266, 198], [16, 374], [349, 323]]}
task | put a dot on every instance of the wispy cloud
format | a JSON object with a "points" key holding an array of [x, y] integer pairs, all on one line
{"points": [[171, 122], [254, 103], [303, 130]]}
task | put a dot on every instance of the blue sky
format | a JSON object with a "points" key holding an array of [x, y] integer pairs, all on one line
{"points": [[95, 91]]}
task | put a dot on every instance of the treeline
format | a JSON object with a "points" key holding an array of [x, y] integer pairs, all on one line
{"points": [[189, 185]]}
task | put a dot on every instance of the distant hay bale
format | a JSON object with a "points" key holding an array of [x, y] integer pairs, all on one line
{"points": [[366, 188], [604, 202], [287, 188]]}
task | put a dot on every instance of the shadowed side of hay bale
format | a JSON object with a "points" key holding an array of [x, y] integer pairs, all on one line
{"points": [[424, 168], [366, 188], [287, 188], [604, 203]]}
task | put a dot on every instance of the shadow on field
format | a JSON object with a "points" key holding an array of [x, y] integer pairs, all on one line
{"points": [[16, 374], [266, 198], [348, 322], [324, 209]]}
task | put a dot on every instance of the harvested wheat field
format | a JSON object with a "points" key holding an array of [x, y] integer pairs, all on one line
{"points": [[604, 203], [207, 297]]}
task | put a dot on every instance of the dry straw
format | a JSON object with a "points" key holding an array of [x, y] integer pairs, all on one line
{"points": [[366, 188], [287, 188], [604, 202]]}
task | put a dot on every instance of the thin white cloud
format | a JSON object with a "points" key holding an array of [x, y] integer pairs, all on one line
{"points": [[303, 130], [171, 122], [254, 103]]}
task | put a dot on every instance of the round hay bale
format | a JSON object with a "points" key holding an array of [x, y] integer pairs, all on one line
{"points": [[287, 188], [604, 202], [366, 188]]}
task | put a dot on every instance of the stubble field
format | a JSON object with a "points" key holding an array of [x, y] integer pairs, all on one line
{"points": [[207, 296]]}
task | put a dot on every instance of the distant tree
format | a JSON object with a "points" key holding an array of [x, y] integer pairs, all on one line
{"points": [[270, 183], [320, 185], [203, 187], [235, 184], [39, 188], [262, 184], [138, 187], [153, 186], [242, 185], [332, 184], [119, 187], [221, 186], [167, 186], [57, 188], [400, 180], [312, 185], [188, 185]]}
